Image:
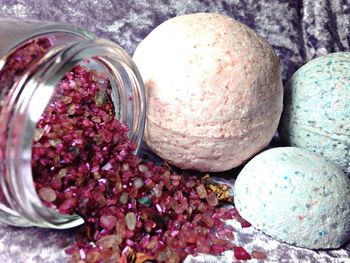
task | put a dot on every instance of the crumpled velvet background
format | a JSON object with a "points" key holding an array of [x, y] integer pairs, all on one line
{"points": [[298, 30]]}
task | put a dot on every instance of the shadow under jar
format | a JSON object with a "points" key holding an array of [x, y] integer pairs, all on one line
{"points": [[34, 57]]}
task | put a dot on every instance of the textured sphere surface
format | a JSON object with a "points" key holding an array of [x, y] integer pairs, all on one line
{"points": [[295, 196], [316, 113], [214, 91]]}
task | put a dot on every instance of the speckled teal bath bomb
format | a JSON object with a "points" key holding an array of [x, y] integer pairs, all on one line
{"points": [[295, 196], [316, 113]]}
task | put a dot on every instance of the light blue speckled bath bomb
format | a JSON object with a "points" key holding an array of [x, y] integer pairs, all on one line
{"points": [[295, 196], [316, 113]]}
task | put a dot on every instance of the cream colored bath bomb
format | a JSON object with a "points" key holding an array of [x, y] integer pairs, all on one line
{"points": [[214, 91], [296, 196]]}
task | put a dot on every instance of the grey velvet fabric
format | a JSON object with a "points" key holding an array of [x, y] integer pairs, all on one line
{"points": [[298, 30]]}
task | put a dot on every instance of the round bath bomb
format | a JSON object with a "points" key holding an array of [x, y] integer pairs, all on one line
{"points": [[296, 196], [214, 91], [316, 113]]}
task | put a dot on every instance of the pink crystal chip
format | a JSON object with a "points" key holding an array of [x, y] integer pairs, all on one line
{"points": [[240, 253], [47, 194], [258, 255]]}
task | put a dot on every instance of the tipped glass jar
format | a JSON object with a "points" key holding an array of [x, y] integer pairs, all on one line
{"points": [[34, 57]]}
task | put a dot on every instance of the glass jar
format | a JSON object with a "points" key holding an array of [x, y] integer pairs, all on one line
{"points": [[25, 92]]}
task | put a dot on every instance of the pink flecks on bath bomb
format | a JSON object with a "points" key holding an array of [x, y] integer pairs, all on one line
{"points": [[214, 91]]}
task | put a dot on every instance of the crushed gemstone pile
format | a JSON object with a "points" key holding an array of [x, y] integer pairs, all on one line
{"points": [[17, 63], [134, 211], [21, 59]]}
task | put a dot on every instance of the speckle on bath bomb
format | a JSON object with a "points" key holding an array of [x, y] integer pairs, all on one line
{"points": [[316, 113], [214, 91], [295, 196]]}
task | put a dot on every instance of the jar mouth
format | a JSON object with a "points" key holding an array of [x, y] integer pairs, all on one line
{"points": [[34, 95]]}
